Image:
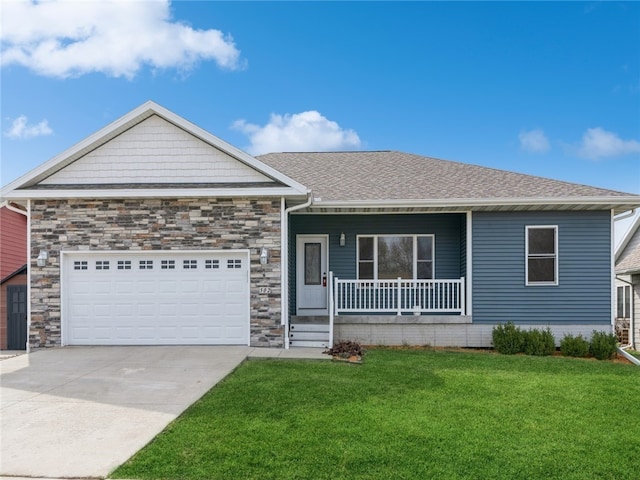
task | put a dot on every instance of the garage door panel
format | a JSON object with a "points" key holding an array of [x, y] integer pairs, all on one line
{"points": [[158, 298]]}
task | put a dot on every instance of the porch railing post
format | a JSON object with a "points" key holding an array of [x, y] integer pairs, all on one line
{"points": [[399, 305], [463, 296], [332, 306]]}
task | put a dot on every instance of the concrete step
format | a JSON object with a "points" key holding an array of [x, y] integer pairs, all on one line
{"points": [[309, 327], [317, 319], [319, 336], [308, 343]]}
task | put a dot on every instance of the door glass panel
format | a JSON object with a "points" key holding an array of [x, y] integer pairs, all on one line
{"points": [[312, 264]]}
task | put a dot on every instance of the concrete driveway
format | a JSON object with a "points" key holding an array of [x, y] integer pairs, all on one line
{"points": [[82, 411]]}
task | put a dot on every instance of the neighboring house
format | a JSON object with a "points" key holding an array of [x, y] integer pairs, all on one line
{"points": [[154, 231], [13, 277], [628, 286]]}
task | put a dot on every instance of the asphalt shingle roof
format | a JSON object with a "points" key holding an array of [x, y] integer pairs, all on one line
{"points": [[392, 175]]}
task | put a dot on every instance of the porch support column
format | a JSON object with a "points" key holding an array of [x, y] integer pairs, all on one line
{"points": [[469, 276]]}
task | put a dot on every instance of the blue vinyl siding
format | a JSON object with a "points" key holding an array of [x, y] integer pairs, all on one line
{"points": [[583, 294], [447, 228]]}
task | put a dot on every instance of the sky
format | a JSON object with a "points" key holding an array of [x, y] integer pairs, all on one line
{"points": [[544, 88]]}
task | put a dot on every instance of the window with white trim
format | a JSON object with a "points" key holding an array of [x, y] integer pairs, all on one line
{"points": [[124, 264], [211, 263], [235, 263], [80, 265], [382, 257], [623, 309], [541, 262], [167, 264]]}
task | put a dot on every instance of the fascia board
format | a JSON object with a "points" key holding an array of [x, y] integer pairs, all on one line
{"points": [[488, 202], [135, 116], [155, 193]]}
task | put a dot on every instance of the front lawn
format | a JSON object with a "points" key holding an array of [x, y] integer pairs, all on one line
{"points": [[407, 414]]}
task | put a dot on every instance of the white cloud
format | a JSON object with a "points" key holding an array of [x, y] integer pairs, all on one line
{"points": [[534, 141], [61, 38], [298, 132], [599, 143], [21, 129]]}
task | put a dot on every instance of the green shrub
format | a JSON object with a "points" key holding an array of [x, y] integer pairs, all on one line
{"points": [[603, 345], [539, 342], [571, 346], [507, 339]]}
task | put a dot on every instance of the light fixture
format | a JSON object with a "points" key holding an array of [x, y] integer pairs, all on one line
{"points": [[343, 239], [42, 258], [264, 256]]}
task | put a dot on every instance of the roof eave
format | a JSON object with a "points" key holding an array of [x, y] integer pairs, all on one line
{"points": [[157, 193], [617, 203]]}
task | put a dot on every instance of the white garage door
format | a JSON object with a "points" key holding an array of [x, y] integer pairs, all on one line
{"points": [[156, 298]]}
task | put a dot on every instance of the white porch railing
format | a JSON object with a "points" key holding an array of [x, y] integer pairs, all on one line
{"points": [[395, 296], [399, 296]]}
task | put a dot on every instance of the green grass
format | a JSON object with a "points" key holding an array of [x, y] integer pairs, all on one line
{"points": [[635, 353], [407, 414]]}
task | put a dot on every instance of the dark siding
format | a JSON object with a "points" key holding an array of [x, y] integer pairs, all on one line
{"points": [[584, 291], [447, 228]]}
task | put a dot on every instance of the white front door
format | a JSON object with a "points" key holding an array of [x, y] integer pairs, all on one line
{"points": [[312, 275]]}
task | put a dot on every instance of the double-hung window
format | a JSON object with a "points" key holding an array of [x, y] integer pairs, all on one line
{"points": [[542, 255], [384, 257], [623, 309]]}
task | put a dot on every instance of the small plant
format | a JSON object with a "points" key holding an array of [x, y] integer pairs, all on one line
{"points": [[507, 339], [603, 345], [571, 346], [539, 342], [345, 349]]}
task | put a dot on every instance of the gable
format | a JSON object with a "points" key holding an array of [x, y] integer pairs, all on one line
{"points": [[155, 151], [628, 261]]}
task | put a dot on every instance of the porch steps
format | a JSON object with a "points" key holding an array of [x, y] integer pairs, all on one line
{"points": [[309, 332]]}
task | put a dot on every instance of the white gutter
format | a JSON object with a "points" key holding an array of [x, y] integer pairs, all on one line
{"points": [[14, 209], [482, 202], [152, 193], [284, 261], [29, 275]]}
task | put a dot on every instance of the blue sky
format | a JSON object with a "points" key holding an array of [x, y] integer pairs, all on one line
{"points": [[549, 88]]}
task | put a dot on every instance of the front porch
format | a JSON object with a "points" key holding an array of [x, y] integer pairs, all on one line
{"points": [[362, 308], [393, 273]]}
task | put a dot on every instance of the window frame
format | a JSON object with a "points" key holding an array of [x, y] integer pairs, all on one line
{"points": [[414, 237], [626, 302], [527, 256]]}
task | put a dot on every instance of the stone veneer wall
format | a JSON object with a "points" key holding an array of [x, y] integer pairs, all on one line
{"points": [[155, 224]]}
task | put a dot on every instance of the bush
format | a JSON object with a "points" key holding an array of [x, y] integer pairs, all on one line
{"points": [[571, 346], [603, 345], [507, 339], [539, 342]]}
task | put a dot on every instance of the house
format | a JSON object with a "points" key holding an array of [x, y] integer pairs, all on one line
{"points": [[628, 286], [13, 277], [155, 231]]}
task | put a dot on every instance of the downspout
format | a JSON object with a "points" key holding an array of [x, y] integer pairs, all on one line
{"points": [[28, 346], [284, 256]]}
